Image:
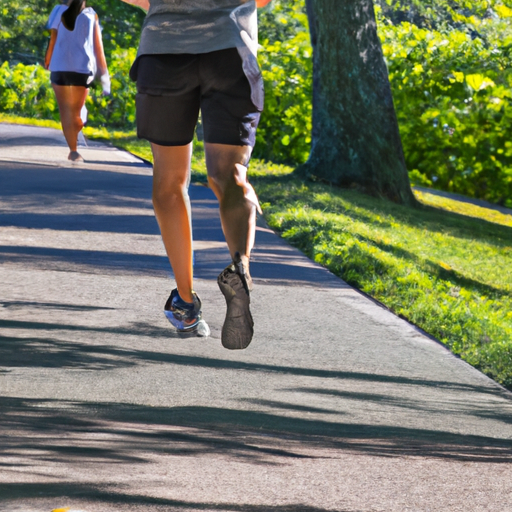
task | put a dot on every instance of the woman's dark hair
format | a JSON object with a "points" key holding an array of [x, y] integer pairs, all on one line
{"points": [[71, 13]]}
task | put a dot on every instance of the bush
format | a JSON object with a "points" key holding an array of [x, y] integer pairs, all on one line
{"points": [[452, 94], [118, 109], [26, 90], [284, 132]]}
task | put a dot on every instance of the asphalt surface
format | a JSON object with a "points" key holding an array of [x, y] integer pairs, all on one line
{"points": [[336, 405]]}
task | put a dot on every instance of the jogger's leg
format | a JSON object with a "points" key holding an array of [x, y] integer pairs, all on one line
{"points": [[171, 203], [227, 175]]}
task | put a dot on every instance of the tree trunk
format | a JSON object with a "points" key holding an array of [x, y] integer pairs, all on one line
{"points": [[355, 139]]}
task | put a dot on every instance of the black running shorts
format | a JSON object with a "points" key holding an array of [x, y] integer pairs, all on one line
{"points": [[70, 78], [173, 88]]}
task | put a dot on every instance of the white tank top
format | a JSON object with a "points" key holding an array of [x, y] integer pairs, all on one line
{"points": [[74, 49]]}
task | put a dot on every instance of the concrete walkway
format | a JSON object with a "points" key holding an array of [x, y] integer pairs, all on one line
{"points": [[336, 405]]}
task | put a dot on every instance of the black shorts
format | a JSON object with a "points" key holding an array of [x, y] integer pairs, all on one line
{"points": [[173, 88], [70, 78]]}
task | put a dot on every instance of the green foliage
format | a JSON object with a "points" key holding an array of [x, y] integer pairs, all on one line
{"points": [[442, 15], [284, 132], [26, 89], [22, 36], [445, 272], [118, 109], [452, 94]]}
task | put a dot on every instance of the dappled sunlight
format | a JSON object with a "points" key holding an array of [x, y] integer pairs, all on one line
{"points": [[465, 206]]}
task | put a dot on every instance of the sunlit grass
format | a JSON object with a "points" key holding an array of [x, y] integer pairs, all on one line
{"points": [[46, 123], [464, 208], [446, 271]]}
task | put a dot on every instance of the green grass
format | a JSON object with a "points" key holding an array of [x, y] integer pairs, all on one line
{"points": [[10, 118], [444, 267]]}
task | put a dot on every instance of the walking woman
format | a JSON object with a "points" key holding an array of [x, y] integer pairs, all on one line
{"points": [[74, 57]]}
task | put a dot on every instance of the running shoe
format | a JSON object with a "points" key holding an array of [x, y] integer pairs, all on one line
{"points": [[186, 316], [237, 330]]}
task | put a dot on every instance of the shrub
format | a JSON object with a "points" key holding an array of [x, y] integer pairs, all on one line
{"points": [[26, 90], [452, 95], [118, 109], [284, 132]]}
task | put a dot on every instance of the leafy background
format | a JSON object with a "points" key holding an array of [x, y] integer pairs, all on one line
{"points": [[449, 64]]}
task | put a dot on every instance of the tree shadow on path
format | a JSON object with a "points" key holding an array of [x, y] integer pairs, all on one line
{"points": [[35, 428], [97, 494]]}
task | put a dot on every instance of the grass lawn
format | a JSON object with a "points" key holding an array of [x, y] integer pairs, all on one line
{"points": [[442, 268], [446, 267]]}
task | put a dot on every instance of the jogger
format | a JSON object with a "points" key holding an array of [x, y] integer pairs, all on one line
{"points": [[199, 56]]}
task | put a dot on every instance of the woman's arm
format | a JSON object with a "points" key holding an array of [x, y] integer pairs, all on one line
{"points": [[101, 61], [143, 4], [259, 3], [49, 50], [99, 53]]}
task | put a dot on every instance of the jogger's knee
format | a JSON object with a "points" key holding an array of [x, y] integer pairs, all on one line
{"points": [[169, 193]]}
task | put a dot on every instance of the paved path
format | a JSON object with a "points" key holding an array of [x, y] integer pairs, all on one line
{"points": [[336, 405]]}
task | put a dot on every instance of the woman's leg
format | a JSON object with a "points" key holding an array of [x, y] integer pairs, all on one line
{"points": [[71, 99], [171, 203]]}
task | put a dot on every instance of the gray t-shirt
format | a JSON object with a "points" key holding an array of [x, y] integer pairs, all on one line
{"points": [[199, 26]]}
